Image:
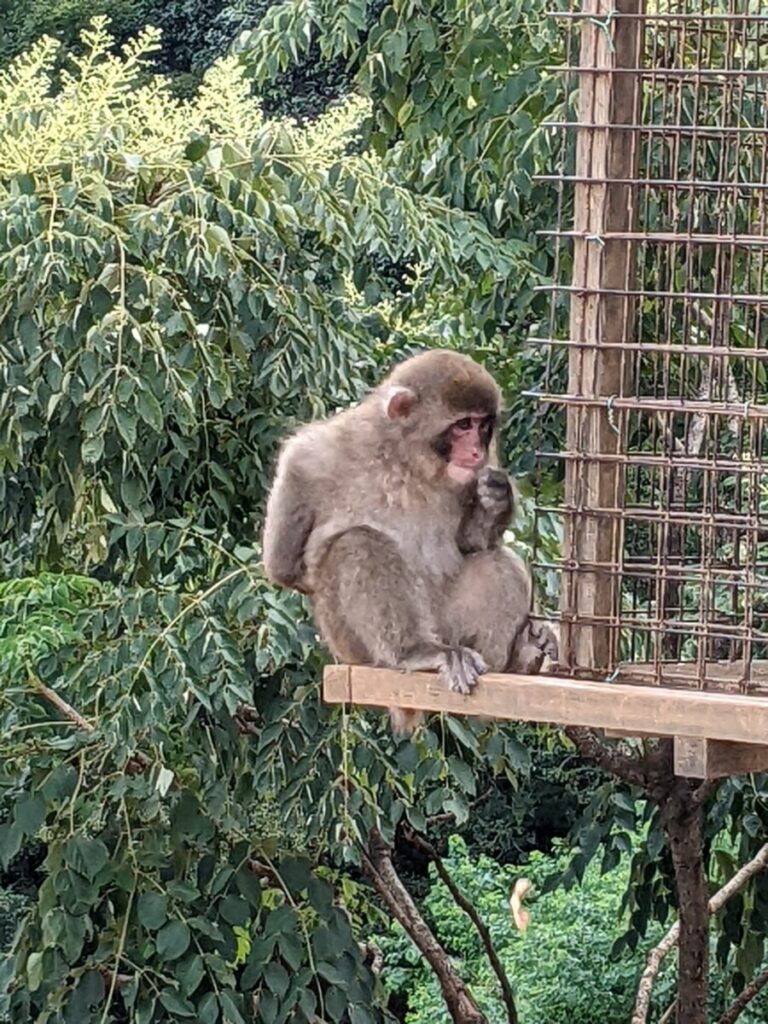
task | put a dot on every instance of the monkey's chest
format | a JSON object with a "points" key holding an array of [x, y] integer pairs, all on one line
{"points": [[430, 551]]}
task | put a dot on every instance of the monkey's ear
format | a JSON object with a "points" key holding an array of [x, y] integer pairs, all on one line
{"points": [[399, 402]]}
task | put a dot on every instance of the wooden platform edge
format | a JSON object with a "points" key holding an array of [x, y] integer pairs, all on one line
{"points": [[714, 759], [628, 709]]}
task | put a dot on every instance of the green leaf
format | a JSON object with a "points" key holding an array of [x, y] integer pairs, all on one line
{"points": [[277, 978], [196, 149], [189, 973], [172, 940], [230, 1008], [175, 1004], [463, 774], [92, 449], [126, 425], [11, 838], [29, 813], [330, 973], [34, 971], [86, 856], [296, 874], [248, 886], [208, 1009], [149, 409], [152, 910], [235, 910], [320, 896]]}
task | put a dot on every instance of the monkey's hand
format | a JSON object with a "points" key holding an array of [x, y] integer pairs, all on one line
{"points": [[460, 668], [489, 514], [494, 492]]}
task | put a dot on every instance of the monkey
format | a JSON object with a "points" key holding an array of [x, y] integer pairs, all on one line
{"points": [[389, 516]]}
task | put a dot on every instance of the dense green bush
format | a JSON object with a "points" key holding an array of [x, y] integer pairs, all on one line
{"points": [[560, 968]]}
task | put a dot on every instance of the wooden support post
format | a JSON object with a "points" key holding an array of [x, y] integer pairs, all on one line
{"points": [[700, 758], [593, 544]]}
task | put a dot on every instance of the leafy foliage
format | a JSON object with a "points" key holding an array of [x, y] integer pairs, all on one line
{"points": [[180, 281], [561, 967], [567, 968], [195, 33]]}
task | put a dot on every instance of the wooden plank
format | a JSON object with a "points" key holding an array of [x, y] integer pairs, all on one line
{"points": [[700, 758], [600, 322], [629, 708], [723, 675], [636, 734], [336, 688]]}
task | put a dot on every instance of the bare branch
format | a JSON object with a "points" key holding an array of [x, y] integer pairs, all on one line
{"points": [[61, 705], [611, 758], [745, 997], [656, 956], [481, 928], [378, 866], [372, 955]]}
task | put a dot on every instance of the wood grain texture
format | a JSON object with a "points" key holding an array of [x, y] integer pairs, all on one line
{"points": [[629, 709], [714, 759]]}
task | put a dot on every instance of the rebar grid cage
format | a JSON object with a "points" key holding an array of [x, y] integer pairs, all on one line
{"points": [[657, 343]]}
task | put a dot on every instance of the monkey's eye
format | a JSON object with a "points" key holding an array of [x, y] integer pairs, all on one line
{"points": [[465, 424]]}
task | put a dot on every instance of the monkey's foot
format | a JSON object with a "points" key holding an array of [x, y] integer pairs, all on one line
{"points": [[461, 667]]}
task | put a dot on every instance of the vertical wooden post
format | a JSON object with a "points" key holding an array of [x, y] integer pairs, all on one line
{"points": [[603, 206]]}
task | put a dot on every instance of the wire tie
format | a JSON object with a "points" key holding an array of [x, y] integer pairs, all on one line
{"points": [[596, 238], [611, 415], [613, 676], [605, 26]]}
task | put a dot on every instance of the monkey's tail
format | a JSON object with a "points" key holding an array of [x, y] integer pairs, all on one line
{"points": [[404, 722]]}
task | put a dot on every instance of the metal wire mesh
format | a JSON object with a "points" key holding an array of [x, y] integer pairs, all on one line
{"points": [[657, 342]]}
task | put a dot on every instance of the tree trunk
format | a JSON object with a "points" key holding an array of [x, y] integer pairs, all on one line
{"points": [[681, 816]]}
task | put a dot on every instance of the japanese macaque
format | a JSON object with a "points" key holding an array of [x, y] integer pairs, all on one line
{"points": [[390, 516]]}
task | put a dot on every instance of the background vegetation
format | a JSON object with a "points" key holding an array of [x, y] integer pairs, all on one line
{"points": [[194, 256]]}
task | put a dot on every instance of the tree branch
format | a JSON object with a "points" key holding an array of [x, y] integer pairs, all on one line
{"points": [[449, 816], [610, 758], [656, 956], [745, 996], [481, 928], [136, 763], [378, 866], [61, 705]]}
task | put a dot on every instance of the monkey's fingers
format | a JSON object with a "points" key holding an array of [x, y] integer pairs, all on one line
{"points": [[494, 490]]}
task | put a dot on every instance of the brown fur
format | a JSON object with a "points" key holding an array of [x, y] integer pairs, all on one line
{"points": [[402, 564]]}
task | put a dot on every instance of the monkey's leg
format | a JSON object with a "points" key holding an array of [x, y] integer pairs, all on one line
{"points": [[488, 607], [372, 608]]}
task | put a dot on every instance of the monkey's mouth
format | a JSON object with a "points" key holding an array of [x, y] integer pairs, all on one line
{"points": [[462, 474]]}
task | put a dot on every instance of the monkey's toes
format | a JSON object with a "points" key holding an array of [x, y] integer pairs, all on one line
{"points": [[461, 669]]}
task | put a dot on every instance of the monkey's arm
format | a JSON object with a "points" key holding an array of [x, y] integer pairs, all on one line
{"points": [[287, 526], [488, 513]]}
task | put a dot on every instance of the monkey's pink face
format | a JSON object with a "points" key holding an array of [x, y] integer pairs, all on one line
{"points": [[469, 438]]}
